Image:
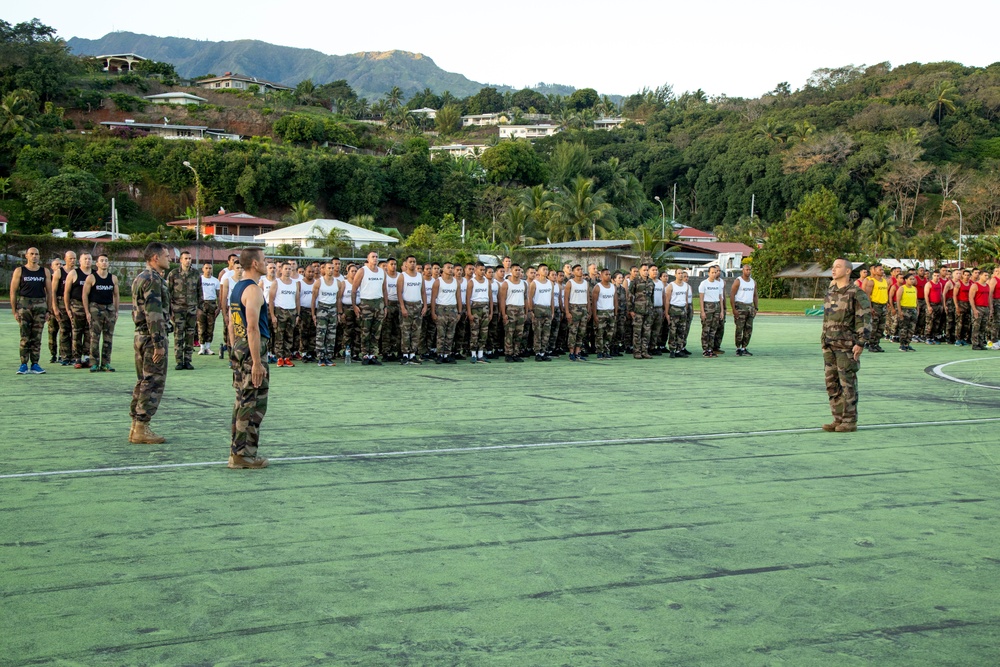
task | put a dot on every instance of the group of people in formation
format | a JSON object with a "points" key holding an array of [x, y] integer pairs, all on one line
{"points": [[447, 312], [942, 306]]}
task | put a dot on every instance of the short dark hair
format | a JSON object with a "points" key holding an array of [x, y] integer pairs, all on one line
{"points": [[103, 255], [515, 264], [231, 256], [543, 264], [153, 249], [409, 256], [577, 266], [248, 255], [478, 264], [185, 252]]}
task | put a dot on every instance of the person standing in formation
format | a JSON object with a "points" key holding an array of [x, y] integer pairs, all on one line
{"points": [[324, 315], [208, 309], [30, 300], [846, 327], [604, 311], [227, 280], [994, 284], [656, 315], [906, 311], [677, 296], [479, 311], [876, 288], [412, 307], [512, 297], [640, 296], [577, 313], [540, 306], [979, 297], [151, 314], [100, 300], [963, 311], [306, 325], [713, 309], [58, 275], [347, 330], [743, 299], [184, 284], [390, 326], [444, 311], [369, 307], [284, 314], [77, 316], [934, 299], [248, 319]]}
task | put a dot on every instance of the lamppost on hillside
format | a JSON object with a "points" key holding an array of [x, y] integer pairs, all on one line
{"points": [[197, 213], [663, 218], [955, 202]]}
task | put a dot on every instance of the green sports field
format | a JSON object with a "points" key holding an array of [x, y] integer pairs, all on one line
{"points": [[663, 512]]}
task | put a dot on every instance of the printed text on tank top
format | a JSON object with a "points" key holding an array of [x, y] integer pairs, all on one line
{"points": [[480, 291], [348, 297], [32, 283], [907, 296], [744, 294], [327, 291], [606, 297], [265, 285], [103, 289], [306, 294], [712, 291], [679, 295], [515, 294], [76, 289], [657, 294], [411, 287], [578, 292], [447, 292], [880, 290], [543, 294], [284, 296], [391, 282], [371, 283]]}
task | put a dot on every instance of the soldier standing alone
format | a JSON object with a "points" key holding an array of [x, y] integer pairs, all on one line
{"points": [[151, 313], [846, 327], [184, 285]]}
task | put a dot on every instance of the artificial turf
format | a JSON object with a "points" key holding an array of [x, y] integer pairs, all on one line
{"points": [[663, 512]]}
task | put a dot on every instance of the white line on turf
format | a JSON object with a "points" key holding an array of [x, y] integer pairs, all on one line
{"points": [[939, 372], [493, 448]]}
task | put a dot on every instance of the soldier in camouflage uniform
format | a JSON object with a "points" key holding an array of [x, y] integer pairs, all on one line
{"points": [[30, 300], [184, 286], [846, 328], [249, 331], [151, 314], [57, 273], [444, 312], [604, 312], [369, 297], [621, 316], [391, 333], [513, 293], [713, 309], [77, 314], [640, 296], [101, 300], [676, 298]]}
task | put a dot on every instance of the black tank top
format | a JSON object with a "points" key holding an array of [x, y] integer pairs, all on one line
{"points": [[103, 291], [57, 282], [76, 289], [32, 283]]}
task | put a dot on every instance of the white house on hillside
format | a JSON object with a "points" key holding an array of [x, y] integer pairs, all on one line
{"points": [[527, 131], [483, 119], [310, 234], [426, 112], [460, 150], [175, 98]]}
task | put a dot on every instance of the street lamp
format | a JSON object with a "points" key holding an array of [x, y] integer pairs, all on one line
{"points": [[197, 213], [663, 218], [959, 232]]}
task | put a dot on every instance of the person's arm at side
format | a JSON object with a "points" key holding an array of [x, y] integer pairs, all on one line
{"points": [[467, 306], [274, 311], [862, 323], [356, 294], [90, 282], [298, 300], [722, 302], [868, 285], [315, 295], [593, 303], [972, 300], [566, 291], [434, 294], [399, 295], [529, 302], [927, 296], [503, 301], [340, 304], [668, 293], [732, 295], [69, 282], [15, 280], [253, 301], [152, 305]]}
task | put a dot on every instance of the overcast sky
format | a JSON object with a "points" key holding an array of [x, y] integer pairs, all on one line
{"points": [[618, 47]]}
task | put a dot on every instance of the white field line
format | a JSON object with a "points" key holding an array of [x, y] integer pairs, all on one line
{"points": [[492, 448], [939, 372]]}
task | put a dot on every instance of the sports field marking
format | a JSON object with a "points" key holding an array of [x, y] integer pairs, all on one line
{"points": [[493, 448], [938, 371]]}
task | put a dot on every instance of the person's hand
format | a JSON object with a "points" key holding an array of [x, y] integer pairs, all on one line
{"points": [[357, 311], [257, 373], [17, 318], [159, 354], [505, 319], [402, 310], [434, 317], [858, 349]]}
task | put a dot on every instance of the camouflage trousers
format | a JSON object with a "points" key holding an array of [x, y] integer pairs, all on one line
{"points": [[206, 321], [251, 401], [390, 329], [719, 333], [479, 325], [410, 327], [81, 329], [428, 333], [906, 324], [655, 326], [878, 323], [935, 320], [284, 326], [102, 332], [307, 332], [31, 313], [513, 329], [710, 325], [980, 325], [743, 315], [347, 333], [841, 371], [185, 327], [995, 322], [542, 328], [678, 328], [642, 325], [949, 325], [151, 377], [577, 325], [447, 318], [605, 330], [963, 321], [921, 316], [496, 330], [461, 333], [557, 336], [65, 333], [891, 322], [326, 330], [370, 325], [620, 326], [55, 324]]}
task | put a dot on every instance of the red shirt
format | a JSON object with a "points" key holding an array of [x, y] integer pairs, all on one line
{"points": [[996, 290], [920, 287], [982, 294], [963, 291], [935, 292]]}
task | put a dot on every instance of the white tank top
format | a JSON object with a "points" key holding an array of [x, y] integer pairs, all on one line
{"points": [[557, 294], [578, 292], [495, 286], [712, 290], [447, 293], [411, 288], [390, 287], [543, 294], [744, 294], [327, 293], [371, 283], [657, 293], [284, 296], [265, 285], [606, 297], [480, 291], [679, 295], [428, 289], [348, 297], [461, 289], [515, 294], [306, 294]]}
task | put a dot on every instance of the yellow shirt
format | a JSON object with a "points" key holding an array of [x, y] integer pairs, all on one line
{"points": [[908, 297], [880, 291]]}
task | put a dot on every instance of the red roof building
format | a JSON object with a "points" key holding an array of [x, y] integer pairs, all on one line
{"points": [[691, 234], [228, 227]]}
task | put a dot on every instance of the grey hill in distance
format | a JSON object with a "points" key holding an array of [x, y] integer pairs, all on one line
{"points": [[371, 74]]}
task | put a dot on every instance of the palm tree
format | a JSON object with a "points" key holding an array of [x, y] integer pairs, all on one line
{"points": [[15, 108], [4, 187], [803, 130], [569, 160], [378, 109], [537, 201], [394, 98], [288, 250], [879, 230], [302, 211], [770, 131], [944, 93], [364, 221], [580, 213], [363, 107], [334, 242], [514, 226]]}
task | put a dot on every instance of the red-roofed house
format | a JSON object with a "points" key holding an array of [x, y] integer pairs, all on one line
{"points": [[691, 234], [229, 227]]}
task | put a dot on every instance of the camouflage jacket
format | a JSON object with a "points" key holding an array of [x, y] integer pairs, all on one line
{"points": [[151, 306], [640, 292], [184, 288], [622, 300], [847, 318]]}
